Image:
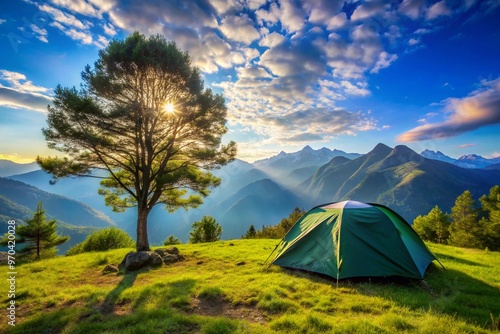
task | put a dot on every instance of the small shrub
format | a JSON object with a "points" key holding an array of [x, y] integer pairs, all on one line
{"points": [[103, 240], [171, 240]]}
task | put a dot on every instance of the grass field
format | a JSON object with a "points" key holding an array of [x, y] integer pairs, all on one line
{"points": [[209, 293]]}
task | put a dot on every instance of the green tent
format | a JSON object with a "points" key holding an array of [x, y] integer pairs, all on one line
{"points": [[354, 239]]}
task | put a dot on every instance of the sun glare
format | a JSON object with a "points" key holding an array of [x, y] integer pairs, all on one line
{"points": [[169, 107]]}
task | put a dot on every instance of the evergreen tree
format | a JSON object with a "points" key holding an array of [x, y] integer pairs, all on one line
{"points": [[142, 116], [491, 223], [250, 233], [434, 226], [39, 235], [205, 230], [465, 231], [171, 240]]}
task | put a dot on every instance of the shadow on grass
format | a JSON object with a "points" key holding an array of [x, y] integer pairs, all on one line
{"points": [[452, 293], [109, 304], [156, 307], [458, 260]]}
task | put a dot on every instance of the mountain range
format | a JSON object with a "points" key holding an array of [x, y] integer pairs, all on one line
{"points": [[264, 192], [465, 161]]}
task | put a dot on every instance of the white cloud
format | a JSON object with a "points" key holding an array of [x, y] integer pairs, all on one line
{"points": [[358, 89], [268, 17], [109, 29], [412, 8], [2, 21], [18, 81], [438, 9], [16, 91], [337, 21], [292, 18], [385, 59], [367, 9], [79, 7], [481, 108], [272, 40], [64, 18], [77, 35], [239, 28]]}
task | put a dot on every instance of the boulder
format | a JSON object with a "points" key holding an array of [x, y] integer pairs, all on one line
{"points": [[110, 268], [172, 250], [155, 259], [138, 260], [170, 258]]}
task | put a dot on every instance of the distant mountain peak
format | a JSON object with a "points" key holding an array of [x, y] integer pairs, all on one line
{"points": [[307, 148]]}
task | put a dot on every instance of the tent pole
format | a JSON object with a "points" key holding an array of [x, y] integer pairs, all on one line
{"points": [[279, 243]]}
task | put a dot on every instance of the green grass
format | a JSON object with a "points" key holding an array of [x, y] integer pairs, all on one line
{"points": [[209, 293]]}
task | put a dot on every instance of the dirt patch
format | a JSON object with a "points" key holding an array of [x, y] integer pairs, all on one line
{"points": [[222, 308]]}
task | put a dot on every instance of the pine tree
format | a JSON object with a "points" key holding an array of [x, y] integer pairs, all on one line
{"points": [[143, 117], [250, 233], [39, 235], [465, 231], [491, 223]]}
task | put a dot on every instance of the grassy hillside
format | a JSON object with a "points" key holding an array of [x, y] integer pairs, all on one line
{"points": [[210, 293]]}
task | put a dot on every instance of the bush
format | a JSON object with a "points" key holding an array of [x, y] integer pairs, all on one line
{"points": [[171, 240], [206, 230], [103, 240]]}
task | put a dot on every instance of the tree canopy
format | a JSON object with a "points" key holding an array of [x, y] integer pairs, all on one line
{"points": [[205, 230], [143, 116]]}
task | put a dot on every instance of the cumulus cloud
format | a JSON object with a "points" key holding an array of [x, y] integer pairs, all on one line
{"points": [[321, 123], [239, 28], [481, 108], [292, 17], [79, 7], [438, 9]]}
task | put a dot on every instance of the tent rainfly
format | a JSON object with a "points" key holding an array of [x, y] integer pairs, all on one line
{"points": [[354, 239]]}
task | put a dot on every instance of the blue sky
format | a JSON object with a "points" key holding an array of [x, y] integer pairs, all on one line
{"points": [[324, 73]]}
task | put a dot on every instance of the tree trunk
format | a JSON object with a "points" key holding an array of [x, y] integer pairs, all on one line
{"points": [[142, 230]]}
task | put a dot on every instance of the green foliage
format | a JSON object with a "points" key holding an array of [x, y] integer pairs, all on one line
{"points": [[491, 223], [38, 236], [433, 227], [103, 240], [117, 122], [251, 233], [171, 240], [72, 296], [465, 231], [205, 230], [277, 231]]}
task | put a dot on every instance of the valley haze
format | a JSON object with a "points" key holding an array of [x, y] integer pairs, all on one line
{"points": [[263, 193]]}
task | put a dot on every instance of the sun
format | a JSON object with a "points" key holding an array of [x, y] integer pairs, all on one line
{"points": [[169, 107]]}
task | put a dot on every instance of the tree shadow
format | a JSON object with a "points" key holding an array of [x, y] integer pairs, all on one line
{"points": [[175, 294], [108, 306], [442, 256]]}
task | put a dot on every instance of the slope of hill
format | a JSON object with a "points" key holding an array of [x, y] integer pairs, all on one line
{"points": [[260, 203], [399, 178], [208, 293], [68, 210], [8, 168]]}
